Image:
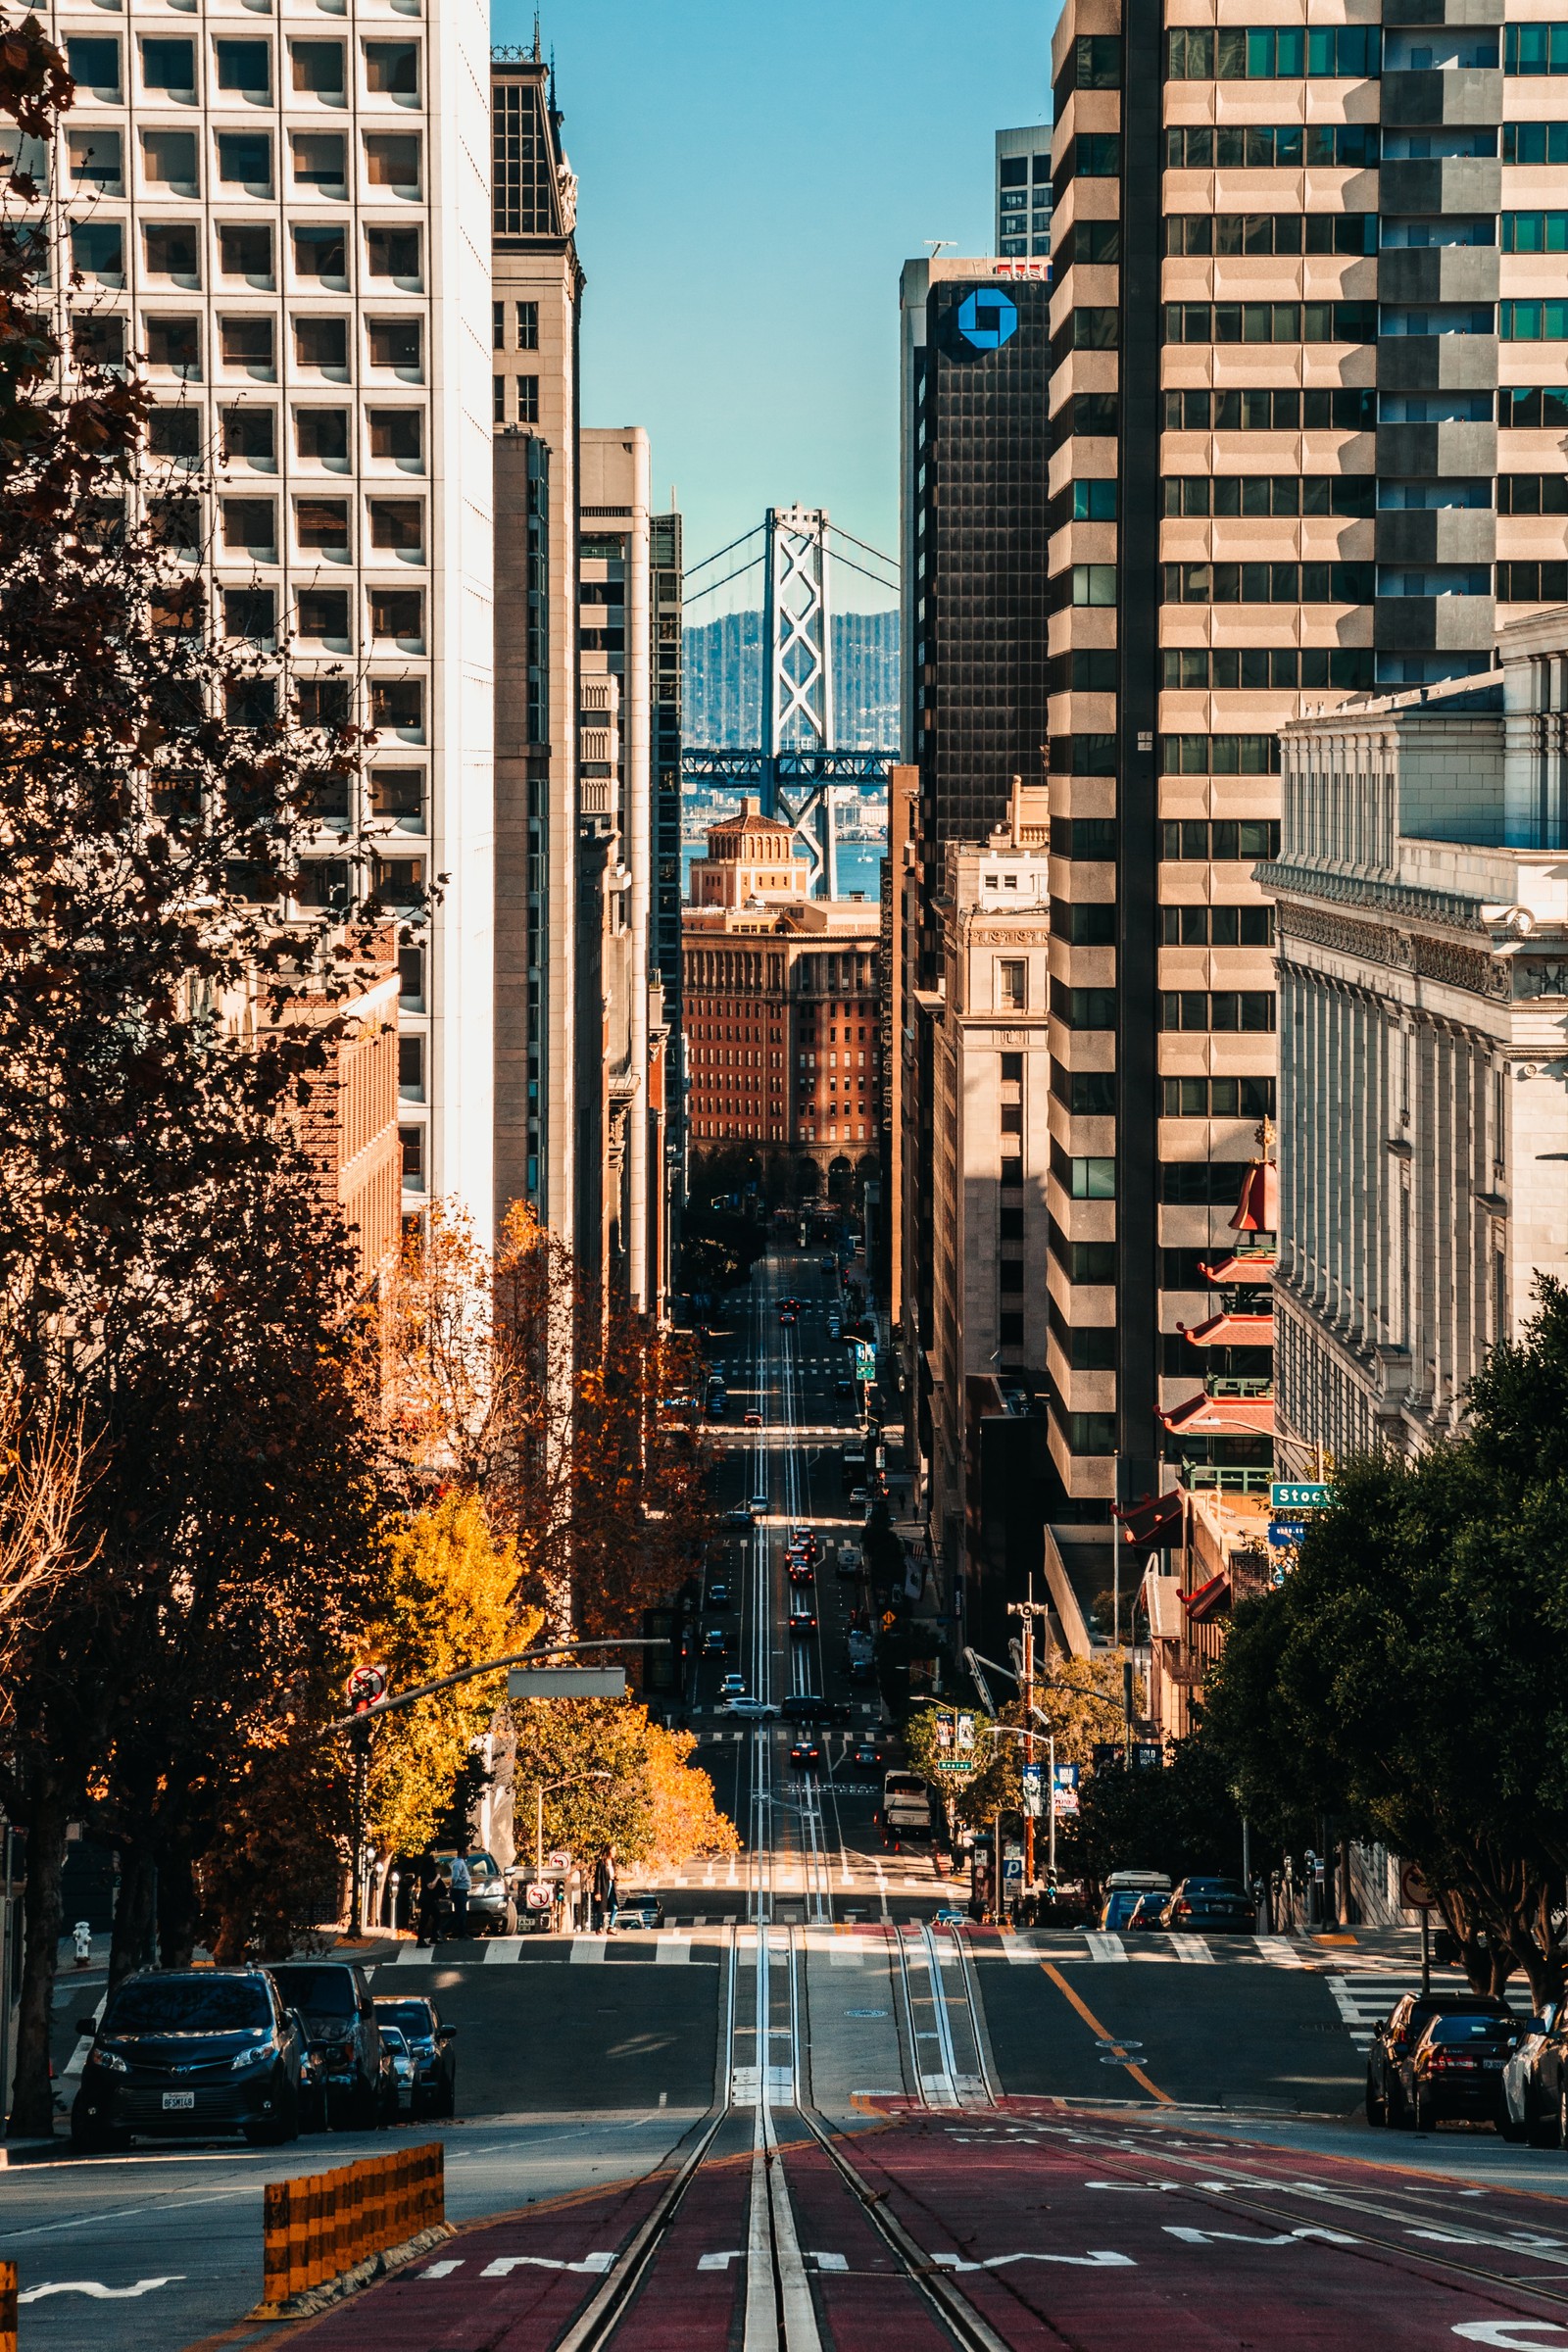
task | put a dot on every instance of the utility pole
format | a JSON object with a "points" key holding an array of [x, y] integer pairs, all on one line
{"points": [[1028, 1610]]}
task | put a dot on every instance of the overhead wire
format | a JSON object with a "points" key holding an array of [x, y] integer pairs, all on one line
{"points": [[702, 562]]}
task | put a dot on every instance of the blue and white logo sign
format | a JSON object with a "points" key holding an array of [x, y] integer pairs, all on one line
{"points": [[988, 318]]}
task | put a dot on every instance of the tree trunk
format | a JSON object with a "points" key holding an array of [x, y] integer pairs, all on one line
{"points": [[134, 1942], [178, 1911], [32, 2111]]}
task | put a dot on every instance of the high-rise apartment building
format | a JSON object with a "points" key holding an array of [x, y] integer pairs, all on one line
{"points": [[535, 309], [1024, 192], [1305, 410], [975, 364], [284, 216], [668, 1154]]}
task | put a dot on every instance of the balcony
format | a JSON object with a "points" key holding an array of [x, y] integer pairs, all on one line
{"points": [[1219, 1478], [1239, 1383]]}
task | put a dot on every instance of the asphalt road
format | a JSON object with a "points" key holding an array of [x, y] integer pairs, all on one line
{"points": [[1096, 2143]]}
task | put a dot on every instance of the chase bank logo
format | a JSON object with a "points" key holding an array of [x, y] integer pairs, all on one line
{"points": [[987, 318]]}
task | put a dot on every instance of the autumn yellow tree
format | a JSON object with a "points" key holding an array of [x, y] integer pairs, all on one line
{"points": [[1081, 1700], [448, 1601], [654, 1805]]}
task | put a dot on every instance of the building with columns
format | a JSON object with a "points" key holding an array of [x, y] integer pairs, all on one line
{"points": [[1422, 908]]}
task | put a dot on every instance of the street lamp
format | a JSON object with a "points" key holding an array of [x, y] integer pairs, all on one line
{"points": [[542, 1791]]}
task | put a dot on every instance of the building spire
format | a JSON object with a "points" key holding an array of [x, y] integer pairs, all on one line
{"points": [[538, 53]]}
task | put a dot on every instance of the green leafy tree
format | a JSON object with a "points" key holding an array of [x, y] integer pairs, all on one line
{"points": [[1405, 1677], [652, 1801]]}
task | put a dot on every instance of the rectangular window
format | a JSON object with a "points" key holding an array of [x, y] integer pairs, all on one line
{"points": [[1533, 583], [392, 69], [322, 434], [249, 435], [172, 250], [1534, 142], [323, 702], [323, 614], [398, 524], [250, 612], [1092, 837], [1217, 1098], [245, 160], [321, 343], [174, 433], [392, 161], [395, 343], [1226, 838], [527, 326], [246, 66], [398, 704], [97, 339], [1094, 502], [169, 160], [412, 1140], [320, 162], [173, 342], [93, 60], [398, 435], [411, 978], [323, 524], [1095, 155], [93, 160], [393, 252], [168, 64], [1533, 321], [1532, 494], [1535, 232], [397, 795], [1013, 984], [1083, 1262], [1083, 1008], [1535, 49], [1084, 922], [250, 526], [322, 253], [1094, 583], [398, 613], [527, 398], [1083, 1094], [498, 400], [317, 68], [247, 343], [1097, 62]]}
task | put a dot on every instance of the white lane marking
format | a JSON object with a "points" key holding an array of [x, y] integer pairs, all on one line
{"points": [[506, 2263], [1191, 1948], [1079, 2262], [673, 1948], [587, 1947], [1280, 1951], [1105, 1947], [1511, 2335], [1238, 2238], [119, 2213], [719, 2262], [441, 2270], [90, 2286], [500, 1948], [830, 2262]]}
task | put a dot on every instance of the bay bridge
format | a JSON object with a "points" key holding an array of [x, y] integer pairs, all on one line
{"points": [[796, 769]]}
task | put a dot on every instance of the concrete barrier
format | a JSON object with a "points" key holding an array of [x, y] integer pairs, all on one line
{"points": [[327, 2231], [8, 2307]]}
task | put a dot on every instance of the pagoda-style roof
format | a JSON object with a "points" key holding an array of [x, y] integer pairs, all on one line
{"points": [[1246, 1265], [1154, 1520], [1258, 1209], [1222, 1416], [1227, 1330]]}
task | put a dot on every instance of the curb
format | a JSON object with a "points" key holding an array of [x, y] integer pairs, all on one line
{"points": [[315, 2299]]}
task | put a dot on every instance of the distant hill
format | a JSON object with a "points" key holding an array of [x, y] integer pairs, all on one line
{"points": [[723, 668]]}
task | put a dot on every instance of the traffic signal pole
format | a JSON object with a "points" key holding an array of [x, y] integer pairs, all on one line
{"points": [[1027, 1610]]}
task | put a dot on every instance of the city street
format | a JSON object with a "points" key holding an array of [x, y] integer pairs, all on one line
{"points": [[1056, 2136]]}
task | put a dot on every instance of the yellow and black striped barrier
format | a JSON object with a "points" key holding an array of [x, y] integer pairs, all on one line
{"points": [[8, 2307], [322, 2226]]}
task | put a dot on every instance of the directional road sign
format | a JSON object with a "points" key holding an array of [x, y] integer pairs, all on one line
{"points": [[566, 1682], [1286, 1531]]}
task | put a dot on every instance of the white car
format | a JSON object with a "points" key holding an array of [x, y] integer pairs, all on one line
{"points": [[759, 1710]]}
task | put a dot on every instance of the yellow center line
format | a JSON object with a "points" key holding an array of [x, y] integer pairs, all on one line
{"points": [[1050, 1969]]}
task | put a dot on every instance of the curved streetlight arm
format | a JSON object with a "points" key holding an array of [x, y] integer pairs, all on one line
{"points": [[468, 1674]]}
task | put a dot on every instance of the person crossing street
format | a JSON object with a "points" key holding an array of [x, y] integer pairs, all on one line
{"points": [[460, 1881]]}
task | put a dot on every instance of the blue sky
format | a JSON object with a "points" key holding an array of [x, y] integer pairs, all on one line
{"points": [[752, 178]]}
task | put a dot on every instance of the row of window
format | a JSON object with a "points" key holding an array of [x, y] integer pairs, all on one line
{"points": [[1272, 321], [1267, 668], [1091, 924], [394, 705], [1270, 146], [1533, 321], [249, 433], [1269, 583], [174, 340], [241, 67], [170, 162], [514, 399], [1083, 1178], [1535, 232], [1533, 583], [1535, 49], [1223, 1009], [248, 527], [1094, 755], [523, 320], [1267, 408], [1279, 494], [1220, 840], [1207, 233], [1092, 1094], [1283, 52], [320, 252]]}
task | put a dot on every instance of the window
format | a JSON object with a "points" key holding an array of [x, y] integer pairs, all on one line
{"points": [[1223, 1009], [392, 253], [1533, 321], [323, 702], [97, 339], [527, 327], [94, 62], [98, 249], [410, 981], [1217, 1098], [317, 68], [169, 66], [1083, 1008], [1532, 494], [1535, 232], [1084, 922], [1523, 408], [250, 701], [1534, 142], [323, 614], [1271, 322], [1258, 669], [397, 613], [1083, 754], [1093, 837], [392, 161], [412, 1140], [1085, 1178], [1258, 409], [397, 523], [318, 162], [498, 400], [1292, 494], [1083, 1094], [1335, 52], [411, 1066], [1225, 839], [1083, 1262], [498, 327], [527, 398], [321, 343], [1262, 146], [1013, 984], [392, 69], [93, 160], [175, 523], [397, 433], [1267, 583], [1097, 62], [398, 704], [320, 252], [1535, 49], [250, 612], [172, 343], [174, 433], [1095, 155], [1095, 243], [1087, 1346], [246, 343], [249, 433], [168, 160], [1533, 583], [1216, 926], [394, 343], [1203, 233], [246, 66], [397, 795], [245, 160], [1219, 754], [172, 250], [1094, 502], [1094, 583], [1009, 1274], [245, 253], [250, 526], [323, 524]]}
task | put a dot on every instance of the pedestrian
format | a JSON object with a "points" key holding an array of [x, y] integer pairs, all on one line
{"points": [[605, 1889], [429, 1899], [460, 1881]]}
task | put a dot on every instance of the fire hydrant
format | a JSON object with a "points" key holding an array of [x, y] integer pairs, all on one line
{"points": [[81, 1938]]}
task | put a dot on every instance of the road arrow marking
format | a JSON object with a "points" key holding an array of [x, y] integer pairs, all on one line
{"points": [[505, 2264], [101, 2294], [1237, 2237], [1078, 2262]]}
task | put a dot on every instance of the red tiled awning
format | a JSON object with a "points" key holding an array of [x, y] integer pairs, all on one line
{"points": [[1222, 1416], [1231, 1331], [1258, 1268], [1155, 1520], [1207, 1599]]}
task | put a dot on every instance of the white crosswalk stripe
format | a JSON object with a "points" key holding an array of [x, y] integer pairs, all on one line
{"points": [[1364, 1999]]}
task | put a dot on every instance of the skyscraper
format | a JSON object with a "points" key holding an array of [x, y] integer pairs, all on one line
{"points": [[1295, 316], [1024, 192], [535, 309], [288, 221]]}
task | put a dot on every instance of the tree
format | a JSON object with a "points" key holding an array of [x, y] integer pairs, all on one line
{"points": [[447, 1602], [1081, 1700], [1181, 1819], [1404, 1678], [652, 1802]]}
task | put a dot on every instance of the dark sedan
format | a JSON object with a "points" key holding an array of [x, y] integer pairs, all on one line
{"points": [[435, 2065], [1457, 2069], [806, 1754], [191, 2052], [1206, 1906], [867, 1756], [803, 1621], [1394, 2037]]}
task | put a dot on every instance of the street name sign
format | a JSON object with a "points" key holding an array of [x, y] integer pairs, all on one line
{"points": [[1310, 1496], [566, 1682], [1286, 1531]]}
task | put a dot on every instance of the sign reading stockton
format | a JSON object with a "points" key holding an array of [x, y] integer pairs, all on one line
{"points": [[988, 318]]}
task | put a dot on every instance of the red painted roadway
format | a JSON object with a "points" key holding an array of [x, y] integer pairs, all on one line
{"points": [[1109, 2234]]}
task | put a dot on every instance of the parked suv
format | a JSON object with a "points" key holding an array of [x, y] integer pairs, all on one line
{"points": [[435, 2066], [1456, 2068], [1394, 2040], [333, 1997], [183, 2051]]}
